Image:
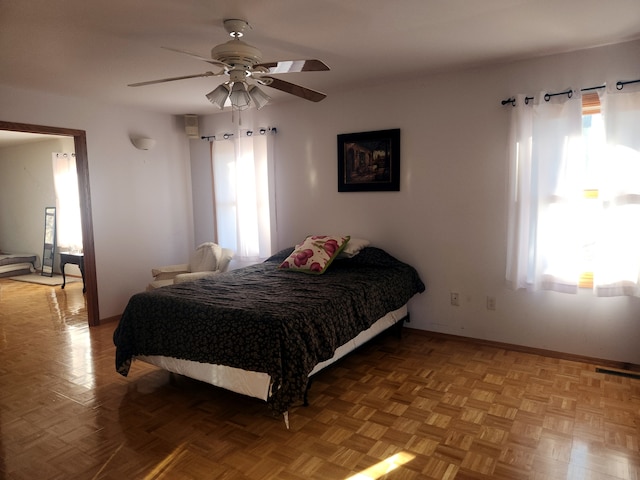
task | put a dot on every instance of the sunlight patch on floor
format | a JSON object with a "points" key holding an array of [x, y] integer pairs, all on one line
{"points": [[165, 465], [382, 468]]}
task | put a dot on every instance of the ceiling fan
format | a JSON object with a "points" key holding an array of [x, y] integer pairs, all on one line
{"points": [[241, 62]]}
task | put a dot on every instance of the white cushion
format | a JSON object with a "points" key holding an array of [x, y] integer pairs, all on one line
{"points": [[159, 283], [225, 259], [209, 259], [169, 271], [353, 247], [190, 277], [205, 258]]}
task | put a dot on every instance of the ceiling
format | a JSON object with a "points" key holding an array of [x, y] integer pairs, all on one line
{"points": [[11, 138], [95, 48]]}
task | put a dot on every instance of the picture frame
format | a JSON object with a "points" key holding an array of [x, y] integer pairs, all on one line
{"points": [[369, 161]]}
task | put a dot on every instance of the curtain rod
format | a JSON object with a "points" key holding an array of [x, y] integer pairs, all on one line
{"points": [[248, 133], [547, 96]]}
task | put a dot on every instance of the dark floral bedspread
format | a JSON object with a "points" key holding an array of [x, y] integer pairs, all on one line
{"points": [[264, 319]]}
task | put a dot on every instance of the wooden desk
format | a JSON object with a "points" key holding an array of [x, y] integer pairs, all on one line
{"points": [[75, 259]]}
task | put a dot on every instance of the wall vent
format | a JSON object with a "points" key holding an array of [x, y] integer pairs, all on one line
{"points": [[619, 373], [191, 126]]}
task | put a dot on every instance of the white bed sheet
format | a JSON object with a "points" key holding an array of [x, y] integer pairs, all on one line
{"points": [[15, 267], [17, 262], [257, 384]]}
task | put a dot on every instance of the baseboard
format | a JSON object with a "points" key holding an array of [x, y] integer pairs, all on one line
{"points": [[535, 351], [115, 318]]}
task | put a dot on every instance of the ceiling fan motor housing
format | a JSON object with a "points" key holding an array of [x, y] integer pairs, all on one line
{"points": [[237, 52]]}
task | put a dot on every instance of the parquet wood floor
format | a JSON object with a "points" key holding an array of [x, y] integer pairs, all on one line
{"points": [[433, 408]]}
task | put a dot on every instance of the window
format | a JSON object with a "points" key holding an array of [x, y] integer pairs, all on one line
{"points": [[594, 139], [68, 225], [241, 164], [574, 194]]}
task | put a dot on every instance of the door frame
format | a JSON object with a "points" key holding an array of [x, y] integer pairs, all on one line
{"points": [[82, 168]]}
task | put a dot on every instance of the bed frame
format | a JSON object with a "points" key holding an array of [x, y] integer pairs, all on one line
{"points": [[258, 384]]}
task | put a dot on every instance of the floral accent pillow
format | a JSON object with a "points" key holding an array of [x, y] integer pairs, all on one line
{"points": [[315, 254]]}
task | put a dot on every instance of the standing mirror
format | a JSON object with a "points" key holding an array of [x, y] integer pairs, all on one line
{"points": [[49, 241]]}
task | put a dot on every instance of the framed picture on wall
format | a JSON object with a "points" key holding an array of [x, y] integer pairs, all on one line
{"points": [[369, 161]]}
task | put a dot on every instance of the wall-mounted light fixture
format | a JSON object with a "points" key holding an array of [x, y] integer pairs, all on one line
{"points": [[143, 143]]}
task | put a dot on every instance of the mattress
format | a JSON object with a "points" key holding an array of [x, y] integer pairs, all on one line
{"points": [[257, 384]]}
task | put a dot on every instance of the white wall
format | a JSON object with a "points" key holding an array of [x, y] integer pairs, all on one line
{"points": [[449, 218], [141, 200], [26, 188]]}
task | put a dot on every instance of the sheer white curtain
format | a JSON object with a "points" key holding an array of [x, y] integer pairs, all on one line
{"points": [[618, 252], [68, 224], [241, 193], [551, 165], [543, 160]]}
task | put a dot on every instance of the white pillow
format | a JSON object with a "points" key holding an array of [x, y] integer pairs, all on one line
{"points": [[205, 258], [353, 247]]}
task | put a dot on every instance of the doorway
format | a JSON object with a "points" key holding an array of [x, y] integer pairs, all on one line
{"points": [[82, 166]]}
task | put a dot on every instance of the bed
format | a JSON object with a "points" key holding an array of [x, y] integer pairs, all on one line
{"points": [[12, 264], [263, 330]]}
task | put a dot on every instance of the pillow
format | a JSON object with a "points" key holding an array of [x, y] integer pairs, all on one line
{"points": [[315, 254], [353, 247], [205, 258]]}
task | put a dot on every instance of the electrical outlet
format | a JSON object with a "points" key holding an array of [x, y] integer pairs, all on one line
{"points": [[455, 299], [491, 303]]}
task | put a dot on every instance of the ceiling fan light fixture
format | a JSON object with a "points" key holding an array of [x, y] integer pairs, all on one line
{"points": [[219, 95], [239, 97], [239, 62], [258, 97]]}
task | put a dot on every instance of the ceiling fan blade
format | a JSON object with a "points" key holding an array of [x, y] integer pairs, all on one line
{"points": [[199, 57], [172, 79], [292, 88], [288, 66]]}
